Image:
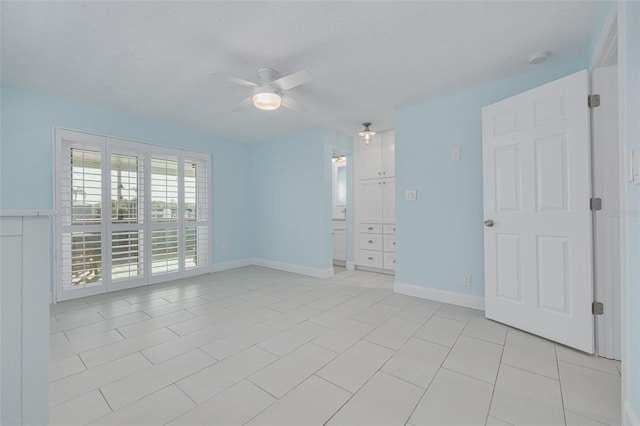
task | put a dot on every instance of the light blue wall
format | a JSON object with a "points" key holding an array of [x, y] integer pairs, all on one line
{"points": [[630, 62], [26, 162], [440, 236], [292, 200]]}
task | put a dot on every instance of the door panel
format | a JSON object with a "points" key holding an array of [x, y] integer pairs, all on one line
{"points": [[508, 267], [551, 173], [537, 185], [507, 166], [370, 196]]}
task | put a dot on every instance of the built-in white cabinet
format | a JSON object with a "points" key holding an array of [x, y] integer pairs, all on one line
{"points": [[370, 201], [339, 238], [25, 269], [377, 160], [375, 202]]}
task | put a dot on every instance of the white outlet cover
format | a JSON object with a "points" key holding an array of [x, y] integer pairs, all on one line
{"points": [[456, 154], [411, 195], [466, 280]]}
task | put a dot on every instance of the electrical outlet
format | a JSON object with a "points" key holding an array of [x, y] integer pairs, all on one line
{"points": [[466, 280], [456, 154], [411, 195]]}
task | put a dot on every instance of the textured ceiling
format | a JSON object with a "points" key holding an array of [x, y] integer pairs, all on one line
{"points": [[155, 58]]}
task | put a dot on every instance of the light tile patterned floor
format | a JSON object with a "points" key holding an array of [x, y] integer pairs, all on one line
{"points": [[263, 347]]}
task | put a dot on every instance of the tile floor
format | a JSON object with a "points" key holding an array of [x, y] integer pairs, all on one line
{"points": [[263, 347]]}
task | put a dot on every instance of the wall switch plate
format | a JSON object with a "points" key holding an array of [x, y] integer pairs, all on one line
{"points": [[456, 154], [411, 195], [466, 280]]}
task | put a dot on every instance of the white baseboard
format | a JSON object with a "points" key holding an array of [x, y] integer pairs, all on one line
{"points": [[223, 266], [288, 267], [444, 296], [351, 266], [296, 269], [631, 418]]}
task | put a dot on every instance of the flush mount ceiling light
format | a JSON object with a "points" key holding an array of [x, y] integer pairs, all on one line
{"points": [[537, 58], [366, 133], [266, 98]]}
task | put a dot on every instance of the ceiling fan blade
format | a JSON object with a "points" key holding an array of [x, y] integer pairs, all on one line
{"points": [[292, 104], [247, 103], [292, 80], [235, 80]]}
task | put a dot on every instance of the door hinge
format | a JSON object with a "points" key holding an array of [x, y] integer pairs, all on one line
{"points": [[597, 308], [593, 101], [595, 204]]}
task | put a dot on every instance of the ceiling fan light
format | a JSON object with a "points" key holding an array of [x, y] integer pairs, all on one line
{"points": [[267, 101]]}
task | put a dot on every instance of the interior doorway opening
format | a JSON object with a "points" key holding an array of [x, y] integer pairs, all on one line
{"points": [[339, 209]]}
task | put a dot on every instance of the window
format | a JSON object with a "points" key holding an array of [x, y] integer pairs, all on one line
{"points": [[129, 214]]}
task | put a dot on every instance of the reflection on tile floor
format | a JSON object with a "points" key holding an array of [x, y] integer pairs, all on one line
{"points": [[263, 347]]}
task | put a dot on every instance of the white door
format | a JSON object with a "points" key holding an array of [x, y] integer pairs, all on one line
{"points": [[537, 185]]}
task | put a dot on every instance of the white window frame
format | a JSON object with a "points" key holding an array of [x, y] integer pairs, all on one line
{"points": [[66, 138]]}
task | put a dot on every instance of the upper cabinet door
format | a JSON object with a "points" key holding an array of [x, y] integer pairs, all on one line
{"points": [[370, 157], [388, 153]]}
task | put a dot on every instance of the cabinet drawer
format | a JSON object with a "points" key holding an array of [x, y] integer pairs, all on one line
{"points": [[371, 228], [339, 224], [389, 243], [389, 261], [371, 242], [371, 258], [389, 229]]}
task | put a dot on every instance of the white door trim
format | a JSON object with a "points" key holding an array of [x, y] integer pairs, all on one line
{"points": [[606, 185]]}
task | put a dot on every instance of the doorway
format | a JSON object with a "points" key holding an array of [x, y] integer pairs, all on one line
{"points": [[339, 209]]}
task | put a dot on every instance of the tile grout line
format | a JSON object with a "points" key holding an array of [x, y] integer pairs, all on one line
{"points": [[564, 412]]}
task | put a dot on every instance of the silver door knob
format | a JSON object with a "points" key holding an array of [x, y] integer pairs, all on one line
{"points": [[488, 223]]}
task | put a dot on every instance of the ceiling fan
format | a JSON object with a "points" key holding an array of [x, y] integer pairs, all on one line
{"points": [[269, 92]]}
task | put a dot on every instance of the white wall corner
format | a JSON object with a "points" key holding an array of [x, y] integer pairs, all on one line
{"points": [[606, 43], [631, 418], [296, 269], [223, 266], [459, 299]]}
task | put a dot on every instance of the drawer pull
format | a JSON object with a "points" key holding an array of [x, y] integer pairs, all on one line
{"points": [[370, 228], [394, 261], [394, 243], [370, 241], [370, 258]]}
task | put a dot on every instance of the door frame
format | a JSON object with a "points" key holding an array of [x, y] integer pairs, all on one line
{"points": [[611, 293]]}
